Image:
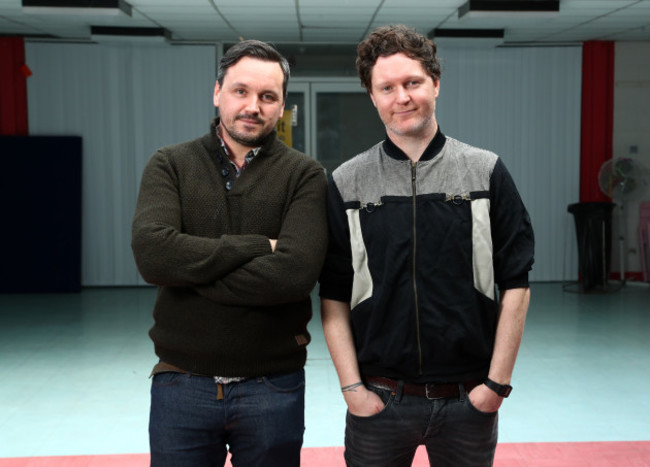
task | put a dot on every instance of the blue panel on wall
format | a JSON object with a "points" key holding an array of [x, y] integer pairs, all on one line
{"points": [[40, 201]]}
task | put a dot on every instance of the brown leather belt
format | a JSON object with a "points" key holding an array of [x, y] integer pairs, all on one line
{"points": [[429, 390]]}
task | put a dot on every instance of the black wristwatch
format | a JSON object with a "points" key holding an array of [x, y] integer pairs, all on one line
{"points": [[503, 390]]}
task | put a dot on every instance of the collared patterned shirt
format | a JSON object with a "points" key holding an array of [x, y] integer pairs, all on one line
{"points": [[162, 367], [247, 159], [228, 379]]}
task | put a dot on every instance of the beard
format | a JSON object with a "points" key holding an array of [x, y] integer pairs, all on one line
{"points": [[419, 128], [244, 138]]}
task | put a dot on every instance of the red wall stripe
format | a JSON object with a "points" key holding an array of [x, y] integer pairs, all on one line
{"points": [[13, 87], [597, 115]]}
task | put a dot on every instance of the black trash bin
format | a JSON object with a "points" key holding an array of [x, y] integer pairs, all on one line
{"points": [[594, 232]]}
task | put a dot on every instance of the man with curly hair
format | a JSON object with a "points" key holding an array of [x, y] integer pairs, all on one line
{"points": [[423, 228]]}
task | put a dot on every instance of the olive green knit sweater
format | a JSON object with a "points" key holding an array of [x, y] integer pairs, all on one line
{"points": [[227, 305]]}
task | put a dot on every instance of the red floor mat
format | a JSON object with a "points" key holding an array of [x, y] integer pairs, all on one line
{"points": [[596, 454]]}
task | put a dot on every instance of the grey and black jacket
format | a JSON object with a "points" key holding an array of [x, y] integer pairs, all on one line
{"points": [[417, 248]]}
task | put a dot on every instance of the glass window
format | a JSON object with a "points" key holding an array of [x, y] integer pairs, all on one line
{"points": [[346, 124]]}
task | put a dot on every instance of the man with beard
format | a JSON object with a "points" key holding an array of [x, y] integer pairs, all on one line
{"points": [[231, 227]]}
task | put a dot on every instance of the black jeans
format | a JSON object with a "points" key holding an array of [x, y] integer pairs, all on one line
{"points": [[453, 431]]}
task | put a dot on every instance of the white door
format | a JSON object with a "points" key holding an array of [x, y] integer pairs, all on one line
{"points": [[336, 121]]}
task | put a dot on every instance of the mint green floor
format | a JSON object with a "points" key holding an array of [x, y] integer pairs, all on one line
{"points": [[74, 372]]}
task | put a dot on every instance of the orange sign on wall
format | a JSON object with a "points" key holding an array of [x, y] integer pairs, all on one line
{"points": [[283, 128]]}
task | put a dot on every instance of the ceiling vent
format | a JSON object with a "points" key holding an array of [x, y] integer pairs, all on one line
{"points": [[446, 37], [124, 35], [77, 7], [501, 8]]}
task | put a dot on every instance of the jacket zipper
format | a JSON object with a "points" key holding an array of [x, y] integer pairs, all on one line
{"points": [[415, 249]]}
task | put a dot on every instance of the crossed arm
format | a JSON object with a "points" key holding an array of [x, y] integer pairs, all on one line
{"points": [[164, 254], [290, 273], [235, 269]]}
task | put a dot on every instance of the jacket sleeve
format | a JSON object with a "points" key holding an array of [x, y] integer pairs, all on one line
{"points": [[337, 275], [167, 256], [513, 240], [288, 274]]}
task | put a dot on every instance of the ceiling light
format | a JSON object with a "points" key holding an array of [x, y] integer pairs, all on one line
{"points": [[501, 8], [77, 7]]}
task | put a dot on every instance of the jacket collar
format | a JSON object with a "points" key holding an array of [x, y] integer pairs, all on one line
{"points": [[432, 150]]}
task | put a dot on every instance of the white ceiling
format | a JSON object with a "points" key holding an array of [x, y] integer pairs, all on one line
{"points": [[336, 21]]}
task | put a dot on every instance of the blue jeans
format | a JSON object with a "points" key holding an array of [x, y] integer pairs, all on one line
{"points": [[452, 430], [260, 420]]}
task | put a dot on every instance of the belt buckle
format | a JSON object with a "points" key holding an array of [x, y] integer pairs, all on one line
{"points": [[426, 391]]}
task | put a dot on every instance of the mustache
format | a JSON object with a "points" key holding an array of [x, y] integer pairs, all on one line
{"points": [[254, 118]]}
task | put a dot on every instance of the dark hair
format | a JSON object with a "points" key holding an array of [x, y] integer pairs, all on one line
{"points": [[389, 40], [255, 49]]}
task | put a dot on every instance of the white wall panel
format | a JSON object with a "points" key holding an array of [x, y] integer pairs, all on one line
{"points": [[524, 104], [125, 101]]}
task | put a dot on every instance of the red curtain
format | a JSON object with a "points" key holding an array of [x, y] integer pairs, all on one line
{"points": [[597, 115], [13, 86]]}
